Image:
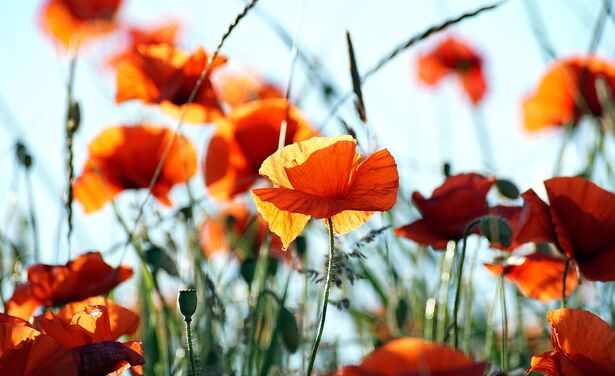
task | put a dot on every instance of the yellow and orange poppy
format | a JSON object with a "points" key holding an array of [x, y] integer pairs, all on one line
{"points": [[240, 86]]}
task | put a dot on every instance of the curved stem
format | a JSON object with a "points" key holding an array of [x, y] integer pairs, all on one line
{"points": [[190, 349], [325, 300], [566, 266], [504, 345]]}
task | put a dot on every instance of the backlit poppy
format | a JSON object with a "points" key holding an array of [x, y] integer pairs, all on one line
{"points": [[126, 157], [567, 92], [164, 75], [67, 20], [537, 275], [451, 207], [454, 57], [166, 33], [240, 86], [579, 220], [243, 140], [415, 357], [50, 285], [583, 344], [323, 177]]}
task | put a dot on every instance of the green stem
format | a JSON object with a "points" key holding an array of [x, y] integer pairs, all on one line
{"points": [[445, 276], [504, 345], [566, 266], [325, 300], [190, 349]]}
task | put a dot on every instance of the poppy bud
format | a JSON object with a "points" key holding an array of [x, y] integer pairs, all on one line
{"points": [[187, 303]]}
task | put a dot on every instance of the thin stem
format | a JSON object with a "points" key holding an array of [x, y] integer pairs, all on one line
{"points": [[325, 300], [565, 275], [190, 349], [504, 344], [445, 276], [71, 125]]}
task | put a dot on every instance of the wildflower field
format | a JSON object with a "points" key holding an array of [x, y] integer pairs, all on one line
{"points": [[307, 187]]}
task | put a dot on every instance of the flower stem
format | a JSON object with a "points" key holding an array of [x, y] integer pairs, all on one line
{"points": [[566, 266], [325, 300], [504, 345], [445, 276], [190, 348], [462, 257]]}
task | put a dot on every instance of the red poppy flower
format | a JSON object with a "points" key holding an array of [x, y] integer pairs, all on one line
{"points": [[538, 276], [166, 33], [560, 99], [454, 57], [243, 140], [414, 357], [25, 351], [164, 75], [50, 285], [583, 344], [240, 86], [323, 177], [451, 207], [126, 157], [66, 20], [579, 219]]}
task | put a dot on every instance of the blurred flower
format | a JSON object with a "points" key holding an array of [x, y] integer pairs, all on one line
{"points": [[240, 86], [454, 57], [446, 214], [413, 357], [126, 157], [25, 351], [537, 275], [583, 344], [567, 92], [89, 336], [579, 220], [77, 20], [166, 33], [323, 178], [235, 226], [50, 285], [243, 140], [164, 75]]}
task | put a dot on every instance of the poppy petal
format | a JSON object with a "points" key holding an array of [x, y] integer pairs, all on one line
{"points": [[422, 232], [285, 224]]}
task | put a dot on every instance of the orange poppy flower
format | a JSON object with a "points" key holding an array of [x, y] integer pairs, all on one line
{"points": [[414, 357], [126, 157], [451, 207], [166, 33], [238, 87], [50, 285], [579, 220], [164, 75], [234, 225], [537, 275], [91, 340], [559, 99], [25, 351], [583, 344], [243, 140], [323, 178], [79, 19], [454, 57]]}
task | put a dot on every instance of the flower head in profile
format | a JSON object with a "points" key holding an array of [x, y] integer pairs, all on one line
{"points": [[568, 91], [166, 33], [243, 140], [414, 357], [126, 157], [583, 344], [237, 87], [454, 57], [50, 285], [451, 207], [76, 20], [163, 75], [324, 178], [579, 220]]}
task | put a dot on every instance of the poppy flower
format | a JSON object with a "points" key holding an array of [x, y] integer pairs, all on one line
{"points": [[25, 351], [243, 140], [446, 214], [323, 177], [454, 57], [579, 220], [126, 157], [240, 86], [88, 335], [236, 225], [50, 285], [583, 344], [567, 91], [414, 357], [166, 33], [66, 20], [163, 75], [538, 276]]}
